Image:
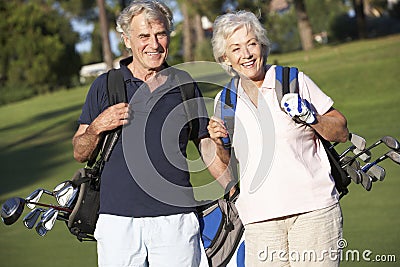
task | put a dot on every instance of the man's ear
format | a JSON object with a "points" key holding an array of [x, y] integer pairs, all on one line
{"points": [[127, 41]]}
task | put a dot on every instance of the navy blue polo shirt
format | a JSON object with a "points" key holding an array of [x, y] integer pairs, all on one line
{"points": [[146, 174]]}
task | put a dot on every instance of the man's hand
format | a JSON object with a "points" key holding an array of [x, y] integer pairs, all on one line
{"points": [[217, 130], [111, 118], [298, 108], [87, 137]]}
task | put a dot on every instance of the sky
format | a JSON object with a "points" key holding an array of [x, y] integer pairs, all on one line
{"points": [[85, 46]]}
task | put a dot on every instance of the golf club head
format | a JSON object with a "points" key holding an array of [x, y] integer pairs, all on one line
{"points": [[366, 180], [34, 197], [347, 150], [12, 209], [63, 193], [394, 156], [391, 142], [355, 163], [366, 156], [31, 218], [377, 173], [73, 197], [49, 219], [353, 174], [358, 141], [40, 229]]}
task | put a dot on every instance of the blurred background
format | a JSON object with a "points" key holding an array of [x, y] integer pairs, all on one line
{"points": [[52, 50]]}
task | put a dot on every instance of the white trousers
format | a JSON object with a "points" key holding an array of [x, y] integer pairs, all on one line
{"points": [[309, 239], [152, 241]]}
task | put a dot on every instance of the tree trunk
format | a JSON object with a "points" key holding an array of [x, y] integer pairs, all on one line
{"points": [[304, 25], [105, 38], [360, 16], [198, 26], [187, 34]]}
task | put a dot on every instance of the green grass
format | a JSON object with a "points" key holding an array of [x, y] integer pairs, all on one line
{"points": [[361, 77]]}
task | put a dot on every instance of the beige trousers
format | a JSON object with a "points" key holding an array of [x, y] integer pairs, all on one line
{"points": [[308, 239]]}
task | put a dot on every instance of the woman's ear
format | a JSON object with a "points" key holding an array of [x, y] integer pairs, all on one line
{"points": [[226, 60]]}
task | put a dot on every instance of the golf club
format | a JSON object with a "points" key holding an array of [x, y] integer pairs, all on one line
{"points": [[365, 156], [35, 196], [31, 218], [59, 208], [389, 141], [63, 192], [355, 165], [392, 154], [377, 173], [72, 199], [49, 219], [353, 174], [366, 180], [355, 139], [358, 141], [40, 229], [12, 209]]}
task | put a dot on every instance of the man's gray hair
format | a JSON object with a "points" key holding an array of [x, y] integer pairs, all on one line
{"points": [[225, 25], [153, 10]]}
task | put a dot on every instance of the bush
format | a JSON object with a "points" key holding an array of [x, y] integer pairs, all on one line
{"points": [[9, 94]]}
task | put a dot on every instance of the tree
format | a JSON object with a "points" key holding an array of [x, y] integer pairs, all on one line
{"points": [[38, 47], [105, 37], [304, 25], [98, 13], [360, 16], [195, 44]]}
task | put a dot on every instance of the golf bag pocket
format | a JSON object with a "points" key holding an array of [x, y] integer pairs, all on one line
{"points": [[83, 218], [221, 232]]}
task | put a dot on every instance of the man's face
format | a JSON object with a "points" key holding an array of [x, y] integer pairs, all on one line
{"points": [[148, 41], [245, 54]]}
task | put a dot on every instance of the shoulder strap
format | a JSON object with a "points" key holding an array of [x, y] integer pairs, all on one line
{"points": [[116, 87], [228, 101], [116, 93], [286, 81], [187, 90]]}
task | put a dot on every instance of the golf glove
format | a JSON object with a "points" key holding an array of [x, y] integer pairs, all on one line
{"points": [[298, 108]]}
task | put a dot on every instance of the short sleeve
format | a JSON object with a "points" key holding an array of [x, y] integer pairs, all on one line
{"points": [[96, 101], [312, 93]]}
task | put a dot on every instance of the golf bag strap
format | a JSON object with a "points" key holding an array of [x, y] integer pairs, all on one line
{"points": [[285, 81], [116, 93], [228, 109], [342, 180], [187, 90]]}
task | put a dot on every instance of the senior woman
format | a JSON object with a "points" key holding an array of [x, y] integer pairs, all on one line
{"points": [[293, 217]]}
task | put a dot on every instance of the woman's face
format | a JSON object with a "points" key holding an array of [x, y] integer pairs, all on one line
{"points": [[245, 54]]}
